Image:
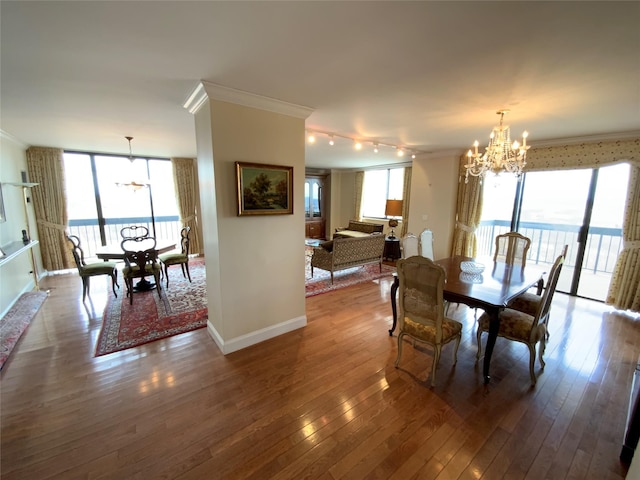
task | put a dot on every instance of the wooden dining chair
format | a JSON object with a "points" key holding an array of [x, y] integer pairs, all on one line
{"points": [[523, 327], [88, 270], [512, 248], [134, 231], [141, 260], [421, 308], [178, 258]]}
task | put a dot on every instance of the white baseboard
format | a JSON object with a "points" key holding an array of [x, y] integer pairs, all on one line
{"points": [[27, 288], [258, 336]]}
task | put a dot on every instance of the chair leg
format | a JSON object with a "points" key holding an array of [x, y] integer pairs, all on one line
{"points": [[186, 267], [455, 351], [114, 282], [436, 360], [166, 273], [400, 336], [532, 361], [543, 346], [85, 288], [159, 283], [479, 340]]}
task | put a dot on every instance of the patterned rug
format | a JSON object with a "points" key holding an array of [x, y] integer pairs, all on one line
{"points": [[321, 281], [16, 321], [182, 308]]}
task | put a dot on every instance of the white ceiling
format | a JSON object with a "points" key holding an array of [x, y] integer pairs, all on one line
{"points": [[425, 75]]}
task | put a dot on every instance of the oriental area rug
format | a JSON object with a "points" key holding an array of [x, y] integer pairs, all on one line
{"points": [[16, 321], [321, 280], [182, 308]]}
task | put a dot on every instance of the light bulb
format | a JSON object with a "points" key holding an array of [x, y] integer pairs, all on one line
{"points": [[357, 145], [311, 137], [331, 142], [400, 152], [375, 147]]}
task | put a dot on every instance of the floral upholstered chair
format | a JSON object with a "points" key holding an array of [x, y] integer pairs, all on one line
{"points": [[512, 248], [421, 308], [529, 302], [523, 327]]}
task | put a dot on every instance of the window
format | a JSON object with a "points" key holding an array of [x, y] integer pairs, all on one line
{"points": [[98, 208], [379, 186]]}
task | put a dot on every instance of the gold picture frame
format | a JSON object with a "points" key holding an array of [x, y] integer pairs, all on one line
{"points": [[264, 189]]}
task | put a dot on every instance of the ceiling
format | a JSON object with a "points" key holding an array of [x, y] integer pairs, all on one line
{"points": [[423, 75]]}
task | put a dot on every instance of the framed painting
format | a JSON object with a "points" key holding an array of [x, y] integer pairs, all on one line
{"points": [[264, 189]]}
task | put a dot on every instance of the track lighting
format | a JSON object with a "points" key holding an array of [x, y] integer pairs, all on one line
{"points": [[358, 144]]}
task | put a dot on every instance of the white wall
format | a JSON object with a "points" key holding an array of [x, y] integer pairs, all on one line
{"points": [[15, 274], [255, 264], [434, 191]]}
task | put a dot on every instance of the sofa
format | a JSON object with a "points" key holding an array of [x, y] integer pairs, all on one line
{"points": [[358, 229], [341, 253]]}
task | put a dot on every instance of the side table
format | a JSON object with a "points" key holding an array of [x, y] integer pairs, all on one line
{"points": [[391, 249]]}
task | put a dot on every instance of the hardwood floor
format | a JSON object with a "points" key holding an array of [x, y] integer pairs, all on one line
{"points": [[323, 402]]}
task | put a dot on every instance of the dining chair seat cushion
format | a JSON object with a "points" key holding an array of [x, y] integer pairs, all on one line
{"points": [[515, 325], [450, 329], [173, 258], [98, 268], [527, 302], [149, 268]]}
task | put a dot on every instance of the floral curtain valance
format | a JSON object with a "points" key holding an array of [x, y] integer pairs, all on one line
{"points": [[583, 155]]}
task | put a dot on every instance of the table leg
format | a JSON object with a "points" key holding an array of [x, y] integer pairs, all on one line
{"points": [[394, 292], [494, 326], [144, 285]]}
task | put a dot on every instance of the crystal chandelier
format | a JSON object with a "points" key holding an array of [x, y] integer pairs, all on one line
{"points": [[500, 155]]}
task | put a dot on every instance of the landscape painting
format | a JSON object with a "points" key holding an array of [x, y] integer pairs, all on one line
{"points": [[264, 189]]}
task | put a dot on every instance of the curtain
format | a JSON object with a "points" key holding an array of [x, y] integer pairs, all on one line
{"points": [[406, 194], [46, 167], [185, 180], [468, 213], [358, 195], [624, 290]]}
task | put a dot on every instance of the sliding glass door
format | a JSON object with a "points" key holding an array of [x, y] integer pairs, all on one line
{"points": [[582, 209]]}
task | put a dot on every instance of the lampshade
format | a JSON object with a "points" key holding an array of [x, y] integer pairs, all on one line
{"points": [[393, 208]]}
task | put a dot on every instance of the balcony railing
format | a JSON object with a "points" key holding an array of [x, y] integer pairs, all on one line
{"points": [[548, 239], [167, 227]]}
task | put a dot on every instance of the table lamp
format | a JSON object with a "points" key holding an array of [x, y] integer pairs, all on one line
{"points": [[393, 209]]}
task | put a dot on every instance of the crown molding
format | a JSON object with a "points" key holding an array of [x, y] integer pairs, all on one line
{"points": [[207, 90], [196, 99], [13, 139]]}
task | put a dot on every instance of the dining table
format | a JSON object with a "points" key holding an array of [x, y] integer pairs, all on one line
{"points": [[492, 290], [115, 252]]}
